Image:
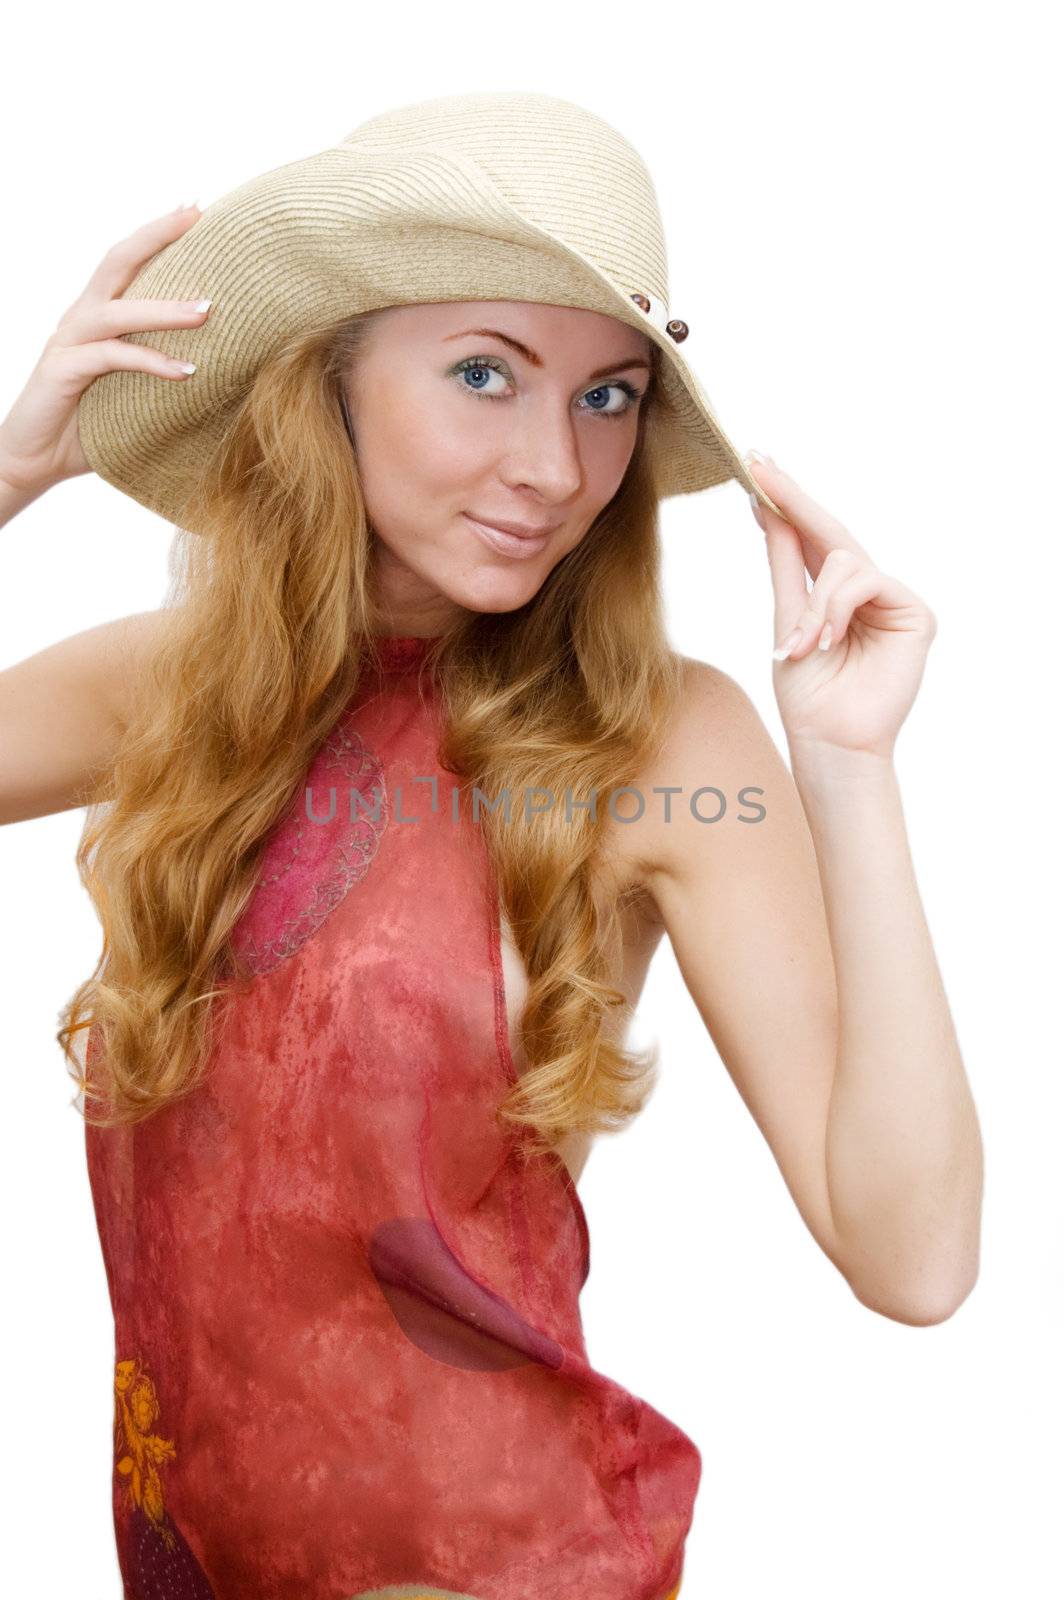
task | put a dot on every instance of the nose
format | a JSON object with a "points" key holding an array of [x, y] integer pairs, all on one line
{"points": [[544, 454]]}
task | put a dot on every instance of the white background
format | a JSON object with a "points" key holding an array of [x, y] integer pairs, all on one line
{"points": [[862, 208]]}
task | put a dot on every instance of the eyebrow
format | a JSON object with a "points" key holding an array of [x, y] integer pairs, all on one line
{"points": [[536, 361]]}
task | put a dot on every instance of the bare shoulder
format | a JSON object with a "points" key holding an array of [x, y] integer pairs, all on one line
{"points": [[716, 725], [714, 762], [711, 702], [65, 709], [109, 659], [127, 647]]}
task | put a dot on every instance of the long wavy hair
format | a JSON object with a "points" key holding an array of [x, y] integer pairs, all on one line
{"points": [[269, 623]]}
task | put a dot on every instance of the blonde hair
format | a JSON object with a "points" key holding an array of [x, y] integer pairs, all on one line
{"points": [[269, 623]]}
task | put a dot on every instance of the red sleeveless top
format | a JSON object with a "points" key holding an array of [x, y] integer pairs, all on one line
{"points": [[348, 1349]]}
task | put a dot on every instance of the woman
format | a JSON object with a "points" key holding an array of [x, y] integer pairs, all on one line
{"points": [[395, 800]]}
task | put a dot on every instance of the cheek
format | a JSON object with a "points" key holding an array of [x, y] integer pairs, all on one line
{"points": [[445, 449], [605, 462], [559, 552], [421, 449], [616, 453], [388, 423]]}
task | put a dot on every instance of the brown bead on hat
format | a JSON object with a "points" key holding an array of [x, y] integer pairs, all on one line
{"points": [[489, 196]]}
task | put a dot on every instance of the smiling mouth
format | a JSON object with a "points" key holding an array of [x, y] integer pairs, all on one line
{"points": [[514, 545], [516, 530]]}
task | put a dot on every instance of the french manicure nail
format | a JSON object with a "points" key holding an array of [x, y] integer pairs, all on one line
{"points": [[787, 646]]}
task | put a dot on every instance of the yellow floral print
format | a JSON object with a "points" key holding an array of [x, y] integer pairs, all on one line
{"points": [[138, 1450]]}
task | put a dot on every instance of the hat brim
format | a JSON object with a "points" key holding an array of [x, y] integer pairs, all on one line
{"points": [[343, 232]]}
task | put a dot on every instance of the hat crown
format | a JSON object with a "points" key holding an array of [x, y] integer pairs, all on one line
{"points": [[494, 195], [562, 167]]}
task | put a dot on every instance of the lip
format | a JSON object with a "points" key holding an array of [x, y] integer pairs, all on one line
{"points": [[508, 543]]}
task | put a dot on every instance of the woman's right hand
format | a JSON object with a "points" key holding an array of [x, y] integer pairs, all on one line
{"points": [[39, 441]]}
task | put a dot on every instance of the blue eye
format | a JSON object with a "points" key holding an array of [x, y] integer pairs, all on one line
{"points": [[478, 367], [481, 366]]}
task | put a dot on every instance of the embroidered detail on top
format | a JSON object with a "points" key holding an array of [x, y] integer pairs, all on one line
{"points": [[158, 1555], [136, 1410], [312, 862]]}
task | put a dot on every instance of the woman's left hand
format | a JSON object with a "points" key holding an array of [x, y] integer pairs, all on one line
{"points": [[855, 694]]}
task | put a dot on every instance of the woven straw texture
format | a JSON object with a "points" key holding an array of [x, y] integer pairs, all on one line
{"points": [[493, 196]]}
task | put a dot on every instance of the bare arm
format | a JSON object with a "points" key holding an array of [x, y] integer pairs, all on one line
{"points": [[63, 712], [13, 500], [783, 931]]}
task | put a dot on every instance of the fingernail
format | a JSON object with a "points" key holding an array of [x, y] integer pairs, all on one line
{"points": [[755, 455], [787, 646], [191, 206], [824, 642]]}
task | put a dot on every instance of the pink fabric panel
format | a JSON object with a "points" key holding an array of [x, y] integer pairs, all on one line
{"points": [[349, 1352]]}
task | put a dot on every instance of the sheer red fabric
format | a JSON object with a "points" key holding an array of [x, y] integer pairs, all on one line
{"points": [[348, 1347]]}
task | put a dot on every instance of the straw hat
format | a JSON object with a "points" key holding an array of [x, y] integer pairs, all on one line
{"points": [[493, 196]]}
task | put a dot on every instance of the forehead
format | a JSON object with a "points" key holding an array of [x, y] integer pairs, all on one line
{"points": [[552, 329]]}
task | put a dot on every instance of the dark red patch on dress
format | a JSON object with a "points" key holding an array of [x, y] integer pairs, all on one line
{"points": [[443, 1310]]}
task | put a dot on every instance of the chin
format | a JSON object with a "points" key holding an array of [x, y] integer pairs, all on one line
{"points": [[498, 602]]}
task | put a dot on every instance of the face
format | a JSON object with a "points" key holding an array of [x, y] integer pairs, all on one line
{"points": [[532, 423]]}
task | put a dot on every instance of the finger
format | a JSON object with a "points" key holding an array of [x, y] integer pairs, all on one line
{"points": [[76, 365], [888, 604], [808, 620], [787, 567], [124, 260], [812, 555], [817, 527], [109, 318], [862, 589]]}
